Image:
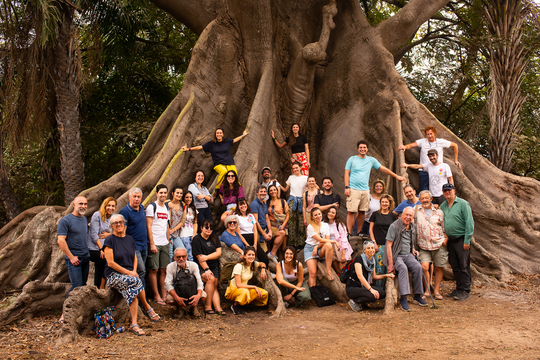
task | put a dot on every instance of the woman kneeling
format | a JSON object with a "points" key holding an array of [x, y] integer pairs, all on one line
{"points": [[238, 290], [359, 288], [120, 271]]}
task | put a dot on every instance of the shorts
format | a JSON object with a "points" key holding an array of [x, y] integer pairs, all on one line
{"points": [[358, 201], [439, 257], [158, 260], [308, 252]]}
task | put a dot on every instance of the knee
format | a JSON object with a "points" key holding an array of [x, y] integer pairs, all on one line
{"points": [[425, 266]]}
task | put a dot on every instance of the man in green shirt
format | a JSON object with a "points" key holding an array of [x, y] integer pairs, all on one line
{"points": [[459, 226]]}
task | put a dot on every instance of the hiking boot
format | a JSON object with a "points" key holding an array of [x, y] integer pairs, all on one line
{"points": [[404, 304], [355, 306], [463, 295], [419, 301], [453, 293], [236, 309]]}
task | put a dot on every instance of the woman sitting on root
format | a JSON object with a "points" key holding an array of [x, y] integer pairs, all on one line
{"points": [[318, 246], [232, 237], [278, 213], [288, 273], [120, 271], [358, 287], [338, 232], [248, 228], [239, 291]]}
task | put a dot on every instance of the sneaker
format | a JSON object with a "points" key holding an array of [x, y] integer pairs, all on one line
{"points": [[453, 293], [404, 304], [273, 257], [236, 310], [286, 304], [419, 301], [463, 295], [355, 306]]}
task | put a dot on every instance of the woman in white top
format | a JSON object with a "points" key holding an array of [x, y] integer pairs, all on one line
{"points": [[318, 246], [291, 272], [378, 188], [188, 224], [248, 228], [298, 184], [202, 198]]}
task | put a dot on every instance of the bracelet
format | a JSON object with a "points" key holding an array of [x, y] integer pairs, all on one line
{"points": [[206, 269]]}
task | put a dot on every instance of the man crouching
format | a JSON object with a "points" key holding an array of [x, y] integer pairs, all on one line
{"points": [[183, 283]]}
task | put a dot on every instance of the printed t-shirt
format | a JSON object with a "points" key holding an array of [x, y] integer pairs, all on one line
{"points": [[425, 146], [123, 250], [438, 176], [360, 168], [200, 246], [160, 224], [220, 151]]}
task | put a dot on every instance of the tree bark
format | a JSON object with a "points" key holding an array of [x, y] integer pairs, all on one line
{"points": [[7, 195], [67, 82]]}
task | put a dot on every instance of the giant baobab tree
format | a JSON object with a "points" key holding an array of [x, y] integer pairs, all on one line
{"points": [[263, 65]]}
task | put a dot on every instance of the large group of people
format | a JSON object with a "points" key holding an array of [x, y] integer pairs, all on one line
{"points": [[172, 244]]}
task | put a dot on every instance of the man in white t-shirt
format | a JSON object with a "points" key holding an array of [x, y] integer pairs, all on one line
{"points": [[426, 144], [157, 224], [357, 170], [439, 174]]}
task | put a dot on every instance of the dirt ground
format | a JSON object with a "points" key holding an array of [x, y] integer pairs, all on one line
{"points": [[493, 324]]}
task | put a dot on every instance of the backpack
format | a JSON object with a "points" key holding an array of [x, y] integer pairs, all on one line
{"points": [[226, 271], [347, 271], [185, 284], [321, 295], [154, 206], [104, 325]]}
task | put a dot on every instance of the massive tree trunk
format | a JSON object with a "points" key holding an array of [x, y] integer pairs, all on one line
{"points": [[263, 64], [67, 83]]}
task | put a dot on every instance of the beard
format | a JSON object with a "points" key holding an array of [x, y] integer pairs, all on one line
{"points": [[81, 211]]}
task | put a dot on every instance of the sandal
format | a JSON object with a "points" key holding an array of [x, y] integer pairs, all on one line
{"points": [[209, 312], [153, 315], [138, 332], [221, 313], [329, 276], [438, 296]]}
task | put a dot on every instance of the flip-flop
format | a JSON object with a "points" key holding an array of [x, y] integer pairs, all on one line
{"points": [[154, 317], [209, 312], [221, 313], [328, 276], [437, 297], [139, 332]]}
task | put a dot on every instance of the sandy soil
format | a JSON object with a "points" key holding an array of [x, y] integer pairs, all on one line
{"points": [[493, 324]]}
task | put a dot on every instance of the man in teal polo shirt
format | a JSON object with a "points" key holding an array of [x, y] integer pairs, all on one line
{"points": [[459, 226]]}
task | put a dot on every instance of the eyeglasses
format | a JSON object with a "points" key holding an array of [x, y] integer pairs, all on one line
{"points": [[232, 223], [116, 223]]}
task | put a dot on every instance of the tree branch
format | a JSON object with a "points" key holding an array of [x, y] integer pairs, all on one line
{"points": [[399, 28], [195, 14]]}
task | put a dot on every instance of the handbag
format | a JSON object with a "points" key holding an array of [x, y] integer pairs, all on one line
{"points": [[321, 295]]}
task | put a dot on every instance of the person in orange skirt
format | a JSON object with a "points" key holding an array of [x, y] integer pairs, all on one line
{"points": [[299, 147]]}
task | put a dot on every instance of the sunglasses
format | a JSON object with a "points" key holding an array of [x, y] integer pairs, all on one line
{"points": [[232, 176], [208, 227], [117, 223], [182, 257], [232, 223]]}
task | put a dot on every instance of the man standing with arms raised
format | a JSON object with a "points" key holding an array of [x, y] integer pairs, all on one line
{"points": [[459, 227], [357, 171], [135, 217]]}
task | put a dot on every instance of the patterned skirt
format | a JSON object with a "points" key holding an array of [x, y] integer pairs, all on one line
{"points": [[128, 286], [297, 231], [302, 159], [380, 269]]}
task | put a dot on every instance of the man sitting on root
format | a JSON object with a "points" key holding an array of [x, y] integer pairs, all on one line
{"points": [[176, 292], [399, 255]]}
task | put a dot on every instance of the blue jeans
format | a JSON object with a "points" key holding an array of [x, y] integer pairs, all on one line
{"points": [[141, 265], [78, 275], [176, 243], [187, 244], [423, 181]]}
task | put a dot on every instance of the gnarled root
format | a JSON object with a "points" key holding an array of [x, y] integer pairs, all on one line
{"points": [[37, 298], [81, 305]]}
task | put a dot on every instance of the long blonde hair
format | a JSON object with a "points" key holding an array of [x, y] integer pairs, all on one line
{"points": [[102, 208], [315, 227]]}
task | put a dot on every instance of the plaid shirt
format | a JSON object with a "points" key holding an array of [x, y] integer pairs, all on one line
{"points": [[430, 231]]}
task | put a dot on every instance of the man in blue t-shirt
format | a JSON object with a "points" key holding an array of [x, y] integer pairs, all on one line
{"points": [[357, 171], [135, 216], [410, 201], [259, 209], [71, 237]]}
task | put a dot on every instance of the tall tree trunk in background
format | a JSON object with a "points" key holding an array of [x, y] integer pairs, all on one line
{"points": [[508, 65], [7, 195], [67, 82]]}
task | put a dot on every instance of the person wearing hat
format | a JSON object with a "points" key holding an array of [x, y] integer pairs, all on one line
{"points": [[267, 174], [359, 286], [426, 144], [439, 174], [459, 227], [232, 237]]}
